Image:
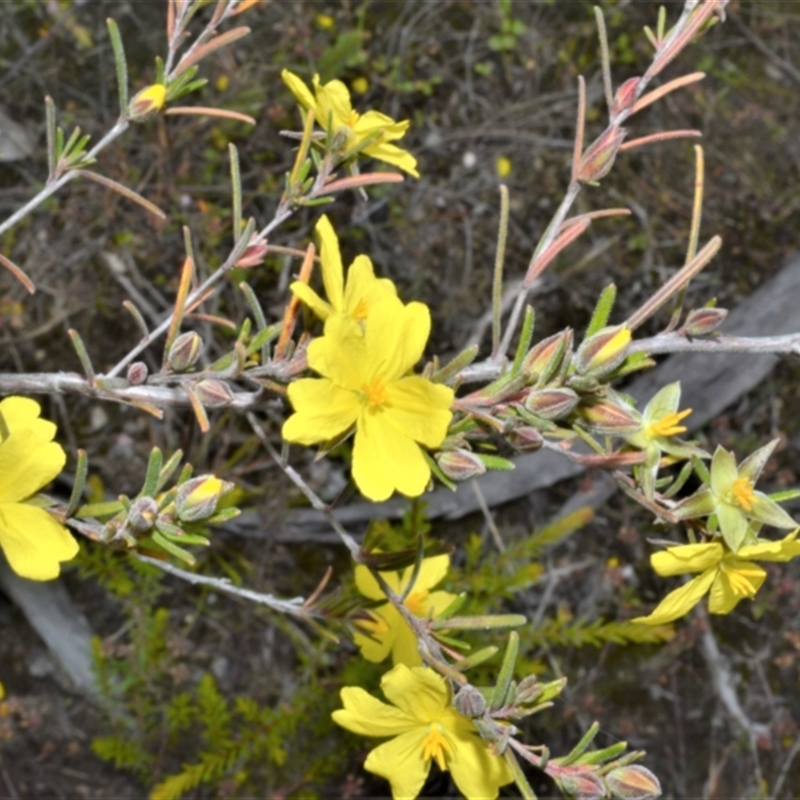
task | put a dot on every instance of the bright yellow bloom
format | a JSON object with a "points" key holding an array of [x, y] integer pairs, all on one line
{"points": [[503, 166], [425, 726], [366, 383], [147, 102], [335, 114], [354, 297], [728, 577], [388, 630], [33, 542]]}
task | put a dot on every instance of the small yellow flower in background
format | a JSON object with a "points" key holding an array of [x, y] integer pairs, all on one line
{"points": [[388, 631], [365, 382], [503, 166], [33, 542], [147, 102], [357, 295], [728, 577], [360, 85], [425, 727], [222, 83], [325, 21], [334, 112]]}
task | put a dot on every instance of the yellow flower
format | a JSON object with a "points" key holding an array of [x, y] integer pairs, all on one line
{"points": [[354, 297], [728, 577], [147, 102], [388, 630], [33, 542], [365, 383], [334, 112], [424, 726], [503, 166]]}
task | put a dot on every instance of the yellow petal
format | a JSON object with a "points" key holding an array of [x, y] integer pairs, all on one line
{"points": [[397, 343], [371, 122], [368, 716], [34, 543], [23, 413], [783, 550], [678, 603], [687, 558], [420, 409], [377, 646], [418, 691], [433, 570], [322, 411], [396, 156], [331, 258], [27, 464], [333, 102], [341, 354], [363, 290], [405, 647], [298, 88], [302, 290], [385, 459], [735, 581], [401, 762]]}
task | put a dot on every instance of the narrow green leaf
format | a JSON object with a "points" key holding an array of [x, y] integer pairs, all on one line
{"points": [[602, 310], [120, 63]]}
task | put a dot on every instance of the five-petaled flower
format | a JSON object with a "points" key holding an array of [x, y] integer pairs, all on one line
{"points": [[728, 577], [33, 542], [425, 727], [732, 498], [388, 631], [353, 297], [370, 133], [366, 383]]}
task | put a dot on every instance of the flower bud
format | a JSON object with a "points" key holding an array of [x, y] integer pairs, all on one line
{"points": [[470, 702], [137, 373], [211, 392], [581, 784], [184, 352], [599, 157], [633, 782], [610, 419], [625, 96], [148, 102], [543, 361], [254, 254], [603, 352], [551, 403], [460, 465], [142, 515], [702, 321], [525, 438], [528, 690], [197, 498]]}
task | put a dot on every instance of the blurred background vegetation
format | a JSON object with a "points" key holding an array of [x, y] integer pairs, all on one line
{"points": [[205, 691]]}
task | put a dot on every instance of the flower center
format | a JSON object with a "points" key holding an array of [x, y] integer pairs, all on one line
{"points": [[435, 745], [740, 579], [352, 119], [414, 602], [743, 493], [360, 311], [376, 625], [374, 394], [668, 424]]}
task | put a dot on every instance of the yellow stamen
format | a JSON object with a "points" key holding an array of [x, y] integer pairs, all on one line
{"points": [[668, 424], [414, 602], [375, 394], [376, 625], [743, 493], [352, 119], [435, 745], [360, 311], [738, 578]]}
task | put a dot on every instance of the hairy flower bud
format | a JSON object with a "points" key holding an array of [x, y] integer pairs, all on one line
{"points": [[137, 373], [527, 691], [544, 360], [600, 155], [525, 438], [581, 783], [254, 254], [460, 465], [551, 403], [142, 515], [212, 392], [610, 419], [470, 702], [185, 351], [603, 352], [703, 321], [197, 498], [633, 782], [148, 102], [625, 96]]}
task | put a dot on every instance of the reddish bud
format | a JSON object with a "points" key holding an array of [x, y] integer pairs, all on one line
{"points": [[607, 418], [213, 393], [625, 96], [460, 465], [633, 782], [254, 254], [551, 403], [544, 360], [603, 352], [184, 352], [599, 157], [581, 784], [137, 373], [703, 321], [525, 438]]}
